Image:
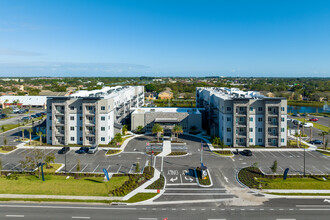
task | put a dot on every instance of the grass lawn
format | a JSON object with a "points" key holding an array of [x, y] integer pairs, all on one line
{"points": [[315, 125], [324, 152], [141, 197], [295, 183], [55, 166], [293, 143], [7, 127], [301, 194], [59, 185]]}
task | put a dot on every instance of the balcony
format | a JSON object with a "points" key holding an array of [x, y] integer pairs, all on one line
{"points": [[59, 133], [90, 133], [241, 123], [90, 122], [59, 122], [241, 134], [90, 112], [272, 123], [272, 134]]}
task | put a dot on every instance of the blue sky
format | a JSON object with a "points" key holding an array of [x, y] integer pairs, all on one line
{"points": [[164, 38]]}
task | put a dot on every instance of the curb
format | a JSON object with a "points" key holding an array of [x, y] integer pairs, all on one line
{"points": [[205, 186]]}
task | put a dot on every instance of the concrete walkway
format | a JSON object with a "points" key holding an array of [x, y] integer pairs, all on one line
{"points": [[166, 149], [25, 196]]}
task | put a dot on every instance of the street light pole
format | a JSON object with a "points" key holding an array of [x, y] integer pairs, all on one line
{"points": [[65, 160], [304, 160], [201, 153]]}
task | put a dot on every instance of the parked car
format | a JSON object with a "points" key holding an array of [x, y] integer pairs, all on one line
{"points": [[316, 142], [296, 115], [296, 122], [43, 113], [25, 118], [314, 119], [82, 150], [247, 153], [33, 116], [38, 114], [64, 150], [93, 149], [307, 125]]}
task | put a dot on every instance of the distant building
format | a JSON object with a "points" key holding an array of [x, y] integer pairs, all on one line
{"points": [[167, 118], [242, 118], [165, 95], [150, 95], [30, 102]]}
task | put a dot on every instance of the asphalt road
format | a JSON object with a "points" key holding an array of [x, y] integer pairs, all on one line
{"points": [[72, 211]]}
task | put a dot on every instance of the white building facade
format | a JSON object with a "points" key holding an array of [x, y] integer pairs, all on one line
{"points": [[88, 117], [243, 119]]}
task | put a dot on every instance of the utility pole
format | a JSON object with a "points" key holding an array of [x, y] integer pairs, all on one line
{"points": [[65, 160], [304, 161]]}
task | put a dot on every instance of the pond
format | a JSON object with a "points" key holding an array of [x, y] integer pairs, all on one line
{"points": [[306, 109]]}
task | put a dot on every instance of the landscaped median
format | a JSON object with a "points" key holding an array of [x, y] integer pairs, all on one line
{"points": [[252, 177], [112, 152], [177, 153], [204, 182], [7, 149], [326, 153], [226, 153]]}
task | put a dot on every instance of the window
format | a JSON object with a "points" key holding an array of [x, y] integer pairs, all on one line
{"points": [[228, 118], [80, 108], [269, 130], [260, 119], [269, 109], [72, 118], [80, 118], [50, 117], [50, 107], [102, 128], [241, 119], [102, 118], [251, 119], [283, 119], [103, 108], [228, 139], [282, 140], [259, 140], [228, 129], [282, 129], [251, 109], [269, 140], [72, 138], [282, 108], [109, 117], [80, 138], [102, 138], [90, 108], [72, 128], [251, 140], [260, 109], [50, 138], [228, 108], [71, 107], [80, 128], [251, 129], [241, 140], [259, 129]]}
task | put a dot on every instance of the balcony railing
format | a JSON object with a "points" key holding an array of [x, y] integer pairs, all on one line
{"points": [[241, 123]]}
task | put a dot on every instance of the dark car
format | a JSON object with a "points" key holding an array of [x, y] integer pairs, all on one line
{"points": [[247, 153], [38, 114], [64, 150], [316, 142], [33, 116], [26, 110], [25, 118], [82, 150], [43, 113]]}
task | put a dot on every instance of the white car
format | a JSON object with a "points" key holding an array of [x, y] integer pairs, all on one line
{"points": [[308, 125], [93, 149]]}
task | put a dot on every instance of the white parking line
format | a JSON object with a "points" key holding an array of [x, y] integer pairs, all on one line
{"points": [[5, 165], [272, 154], [318, 170], [15, 216], [84, 168], [263, 154], [15, 166], [119, 169], [281, 168], [310, 154], [130, 169], [108, 167], [72, 168], [21, 151], [282, 154], [291, 154], [96, 167], [80, 217]]}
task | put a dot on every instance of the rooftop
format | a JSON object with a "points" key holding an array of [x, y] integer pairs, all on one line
{"points": [[105, 92], [230, 93], [168, 110]]}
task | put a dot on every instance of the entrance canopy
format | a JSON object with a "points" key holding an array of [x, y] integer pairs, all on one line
{"points": [[166, 120]]}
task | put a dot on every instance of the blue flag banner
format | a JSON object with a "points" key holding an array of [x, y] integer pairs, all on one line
{"points": [[285, 173], [106, 174], [42, 172]]}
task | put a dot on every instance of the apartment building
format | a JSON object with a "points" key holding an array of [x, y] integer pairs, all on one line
{"points": [[241, 118], [90, 117]]}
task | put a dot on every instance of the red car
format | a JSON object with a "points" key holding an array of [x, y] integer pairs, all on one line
{"points": [[313, 119]]}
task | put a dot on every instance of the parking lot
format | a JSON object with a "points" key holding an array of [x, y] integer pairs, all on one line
{"points": [[316, 163]]}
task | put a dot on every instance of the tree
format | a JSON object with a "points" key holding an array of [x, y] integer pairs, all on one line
{"points": [[274, 167], [5, 141], [118, 137], [49, 159], [137, 167], [177, 129], [23, 134], [34, 159], [40, 134], [139, 129], [323, 134], [124, 129], [158, 129], [30, 130]]}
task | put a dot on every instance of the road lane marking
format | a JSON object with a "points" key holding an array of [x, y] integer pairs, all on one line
{"points": [[119, 168], [80, 217], [130, 169], [147, 218], [72, 168], [67, 207], [181, 178], [15, 216], [199, 189], [285, 219], [281, 153], [196, 194]]}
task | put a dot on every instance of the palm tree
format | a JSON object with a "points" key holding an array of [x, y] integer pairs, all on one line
{"points": [[323, 134], [22, 134], [157, 128], [30, 130], [177, 129], [40, 134]]}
